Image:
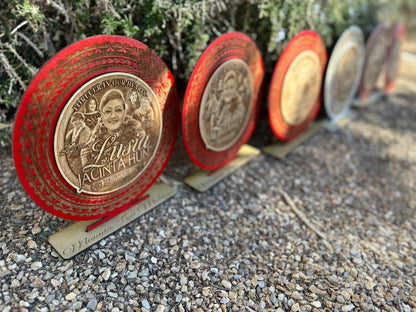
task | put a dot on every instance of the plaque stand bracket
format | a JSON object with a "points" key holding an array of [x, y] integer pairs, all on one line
{"points": [[281, 149], [82, 234], [202, 180]]}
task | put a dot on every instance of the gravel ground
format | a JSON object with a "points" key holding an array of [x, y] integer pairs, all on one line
{"points": [[240, 246]]}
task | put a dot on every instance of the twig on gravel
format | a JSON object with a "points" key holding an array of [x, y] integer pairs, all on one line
{"points": [[400, 303], [301, 215]]}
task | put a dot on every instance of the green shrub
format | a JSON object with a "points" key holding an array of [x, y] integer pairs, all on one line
{"points": [[33, 31]]}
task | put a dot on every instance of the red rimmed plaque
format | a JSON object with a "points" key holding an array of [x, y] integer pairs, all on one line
{"points": [[96, 128], [374, 61], [343, 72], [296, 84], [393, 56], [222, 100]]}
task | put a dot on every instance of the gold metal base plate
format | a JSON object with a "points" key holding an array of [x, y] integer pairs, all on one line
{"points": [[203, 180], [281, 149], [75, 238]]}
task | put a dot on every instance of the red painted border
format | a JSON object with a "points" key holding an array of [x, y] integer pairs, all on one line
{"points": [[229, 46], [43, 102], [305, 40]]}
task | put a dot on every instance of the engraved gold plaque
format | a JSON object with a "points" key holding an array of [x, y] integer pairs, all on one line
{"points": [[346, 76], [375, 63], [226, 105], [107, 133], [393, 63], [96, 128], [343, 72], [375, 58], [295, 88], [222, 100], [393, 56], [301, 88]]}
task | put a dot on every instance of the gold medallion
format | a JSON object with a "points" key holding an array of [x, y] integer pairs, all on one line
{"points": [[108, 133], [226, 105], [301, 88]]}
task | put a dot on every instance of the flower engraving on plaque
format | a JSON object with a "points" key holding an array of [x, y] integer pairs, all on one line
{"points": [[107, 133]]}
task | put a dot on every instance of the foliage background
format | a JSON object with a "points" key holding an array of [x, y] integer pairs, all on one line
{"points": [[33, 31]]}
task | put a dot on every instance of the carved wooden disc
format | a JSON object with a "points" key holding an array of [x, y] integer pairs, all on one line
{"points": [[96, 128], [222, 100], [375, 56], [343, 72], [295, 89], [393, 56]]}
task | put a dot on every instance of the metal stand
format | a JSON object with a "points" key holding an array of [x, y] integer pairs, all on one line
{"points": [[203, 180], [83, 234]]}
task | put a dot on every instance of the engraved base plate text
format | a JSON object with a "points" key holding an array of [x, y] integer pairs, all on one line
{"points": [[74, 238]]}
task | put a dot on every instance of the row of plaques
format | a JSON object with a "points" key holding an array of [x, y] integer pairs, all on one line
{"points": [[98, 123]]}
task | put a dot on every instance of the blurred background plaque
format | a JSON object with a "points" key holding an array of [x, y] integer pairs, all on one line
{"points": [[393, 56], [343, 72], [374, 61], [295, 92], [96, 128], [295, 89], [222, 101]]}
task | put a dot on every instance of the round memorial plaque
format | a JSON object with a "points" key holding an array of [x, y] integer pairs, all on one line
{"points": [[393, 56], [343, 72], [221, 100], [375, 56], [96, 128], [295, 89]]}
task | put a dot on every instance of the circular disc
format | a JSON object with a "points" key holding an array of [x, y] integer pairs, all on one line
{"points": [[222, 100], [96, 128], [375, 56], [343, 72], [296, 84], [393, 56]]}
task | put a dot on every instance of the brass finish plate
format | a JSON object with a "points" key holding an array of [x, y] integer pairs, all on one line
{"points": [[203, 180], [74, 238], [301, 88], [281, 149], [226, 105], [107, 133]]}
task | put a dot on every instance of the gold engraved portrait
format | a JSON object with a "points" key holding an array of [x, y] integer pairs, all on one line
{"points": [[226, 105], [107, 133]]}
